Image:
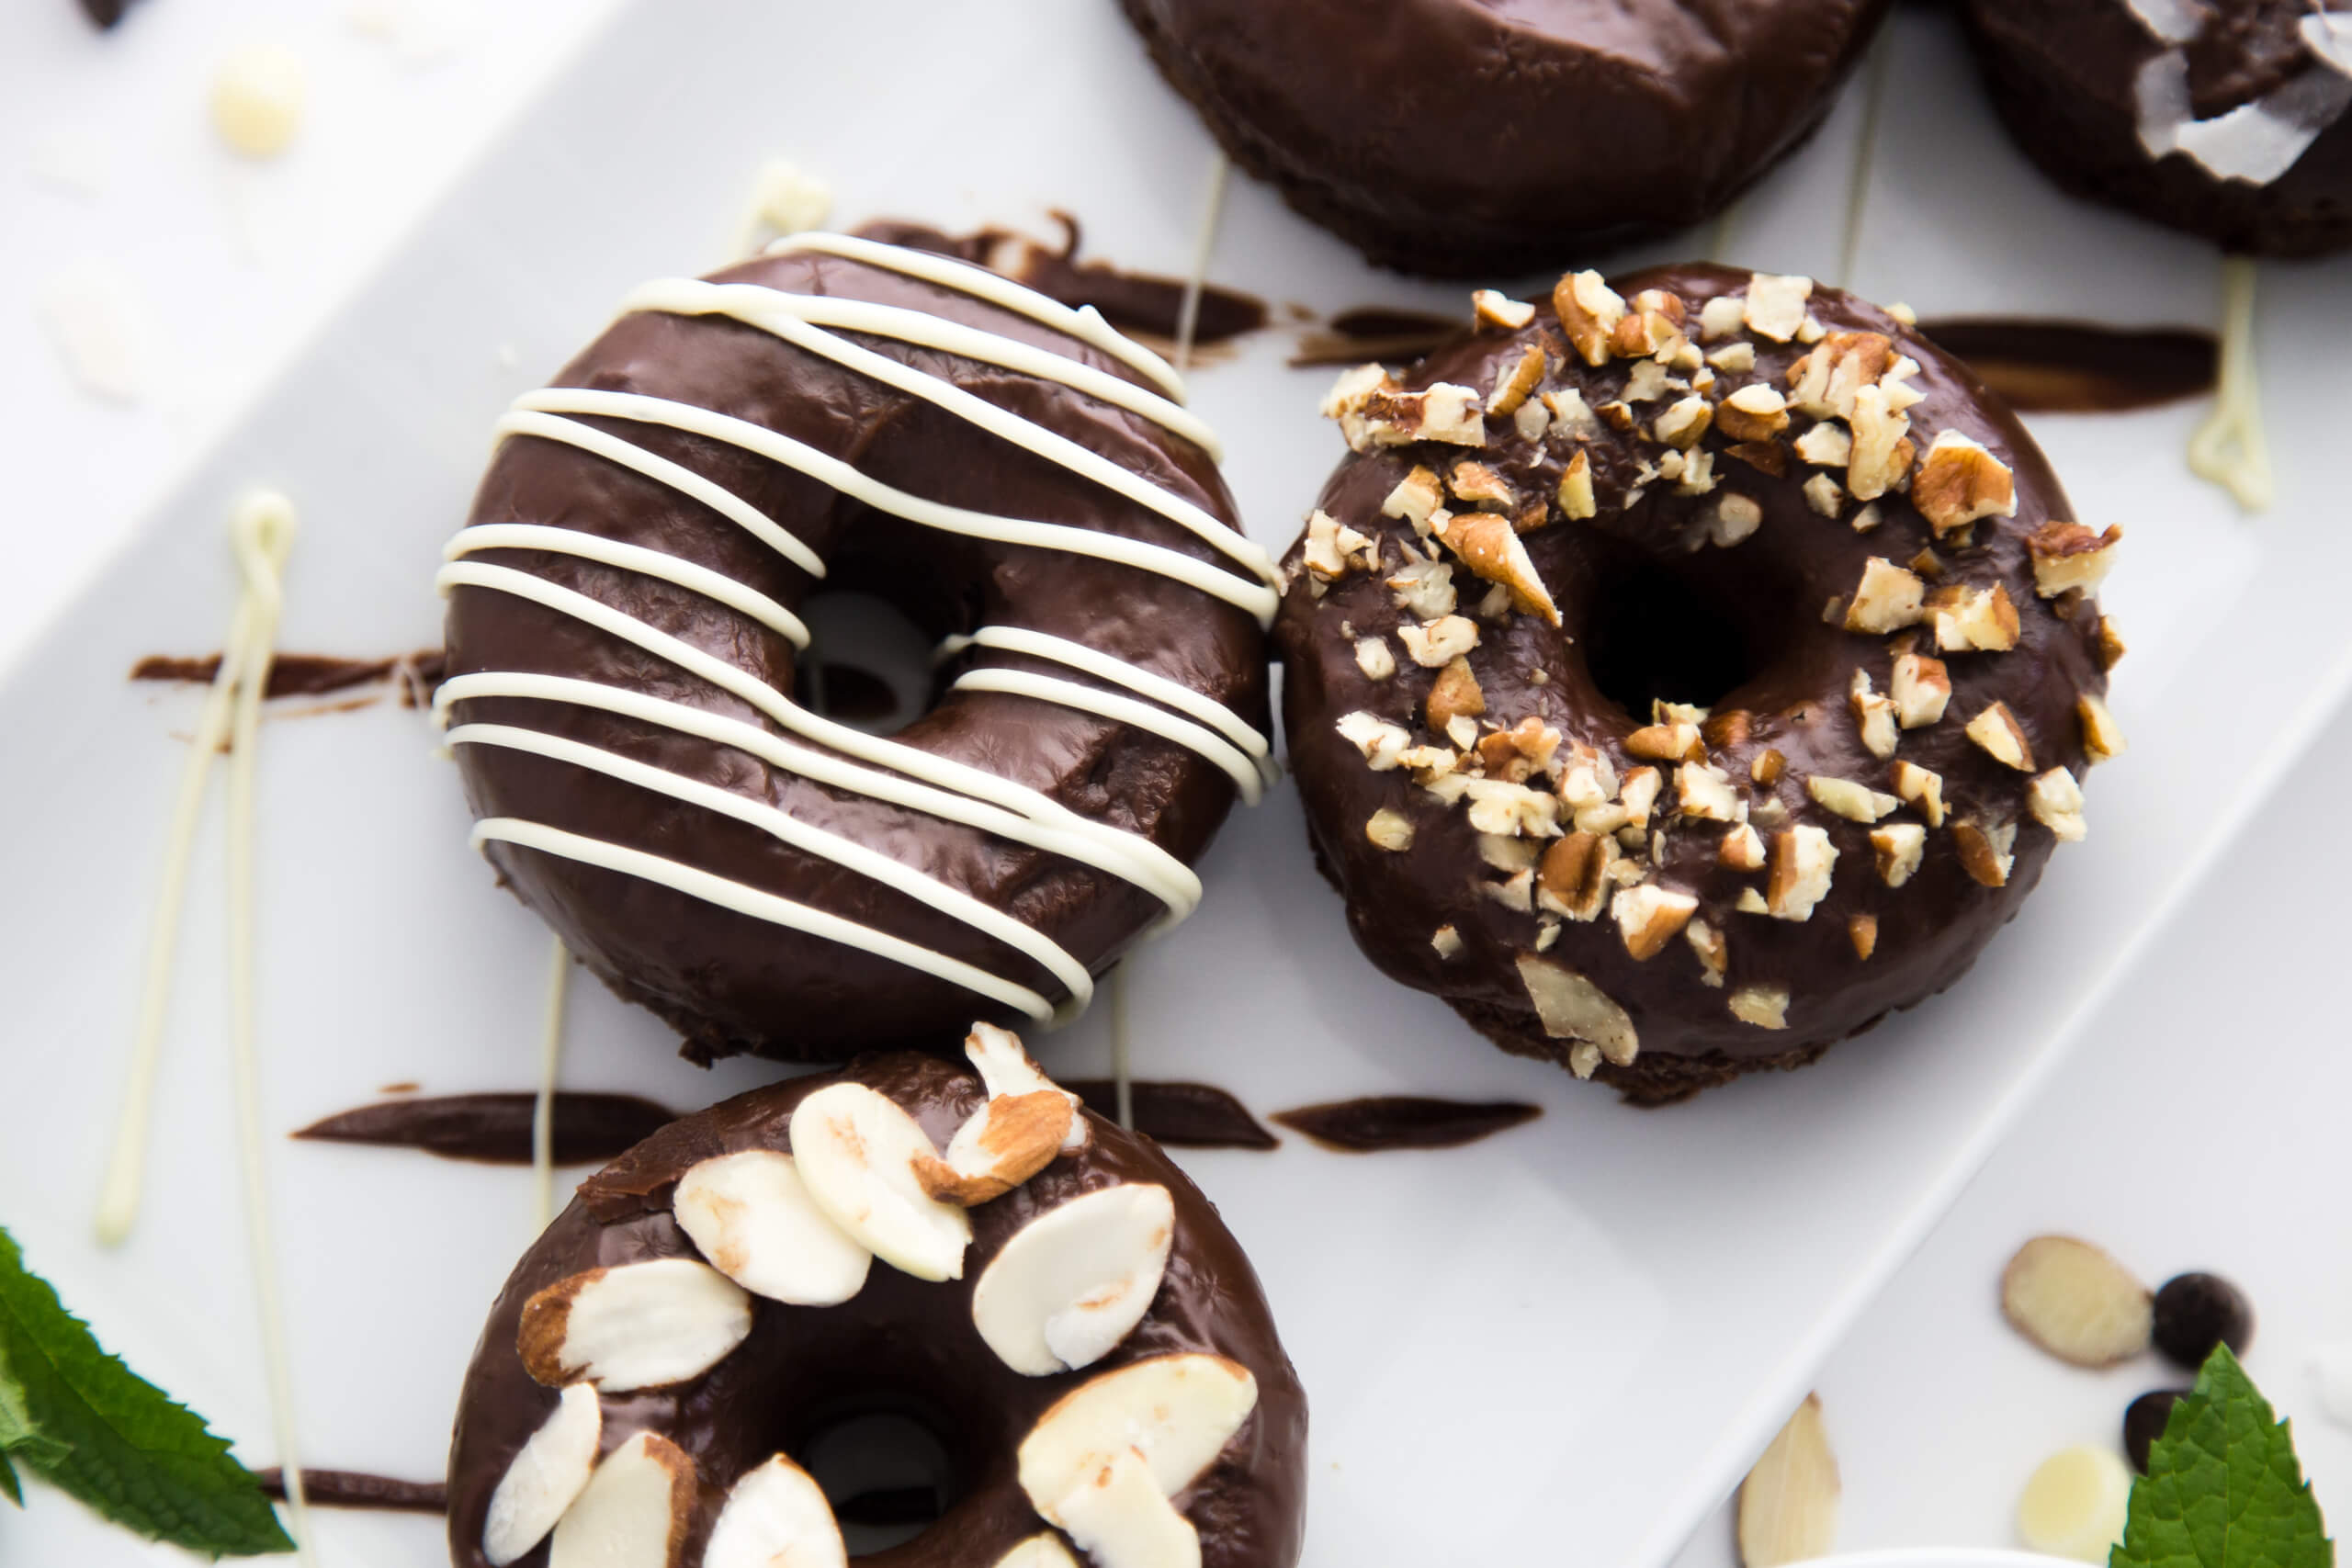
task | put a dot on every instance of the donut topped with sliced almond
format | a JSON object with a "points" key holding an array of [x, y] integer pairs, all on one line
{"points": [[1685, 672], [1047, 1296]]}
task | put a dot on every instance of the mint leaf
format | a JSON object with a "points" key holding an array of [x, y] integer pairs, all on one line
{"points": [[107, 1436], [16, 1436], [2223, 1488]]}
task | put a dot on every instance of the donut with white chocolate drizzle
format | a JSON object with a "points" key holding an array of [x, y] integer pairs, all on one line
{"points": [[1682, 676], [1085, 1338], [622, 627]]}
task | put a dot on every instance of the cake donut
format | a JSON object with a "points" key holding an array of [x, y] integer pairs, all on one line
{"points": [[2227, 119], [1048, 1294], [1681, 675], [1460, 136], [623, 623]]}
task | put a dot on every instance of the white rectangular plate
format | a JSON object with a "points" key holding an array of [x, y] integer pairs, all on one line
{"points": [[1574, 1336]]}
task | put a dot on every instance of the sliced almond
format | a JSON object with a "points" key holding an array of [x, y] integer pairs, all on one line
{"points": [[1984, 849], [1874, 719], [1044, 1550], [1973, 618], [1788, 1505], [1638, 794], [1742, 849], [1803, 861], [1648, 916], [1755, 412], [752, 1217], [1388, 828], [550, 1470], [1883, 451], [1447, 942], [1454, 694], [1494, 309], [2109, 648], [1571, 1006], [2102, 737], [1673, 742], [1333, 550], [633, 1325], [1921, 686], [1490, 547], [1006, 1067], [1514, 386], [1960, 481], [1373, 657], [1435, 644], [2069, 558], [634, 1512], [2076, 1302], [1573, 877], [1415, 496], [1768, 766], [857, 1151], [1703, 793], [1921, 788], [1588, 310], [1775, 305], [775, 1516], [1575, 488], [1898, 848], [1855, 803], [1998, 731], [1764, 1006], [1162, 1421], [1825, 446], [1714, 953], [1382, 743], [1684, 421], [1069, 1287], [1722, 316], [2056, 801], [1003, 1144], [1888, 598], [1824, 494], [1862, 931]]}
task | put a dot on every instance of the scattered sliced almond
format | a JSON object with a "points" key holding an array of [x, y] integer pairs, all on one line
{"points": [[1844, 797], [1973, 618], [1921, 687], [1422, 585], [550, 1470], [1714, 953], [1755, 412], [1986, 850], [1825, 446], [1494, 309], [1588, 310], [1703, 792], [1573, 877], [1514, 386], [1742, 849], [634, 1512], [1882, 449], [1803, 861], [2056, 801], [1102, 1461], [1922, 788], [1490, 547], [1874, 717], [2076, 1302], [1447, 942], [1008, 1140], [1455, 693], [1571, 1006], [1775, 305], [1960, 481], [1679, 741], [857, 1150], [1575, 488], [1435, 644], [1648, 916], [1767, 767], [752, 1217], [1898, 848], [1119, 1518], [1044, 1550], [2069, 558], [1862, 931], [1374, 411], [1069, 1287], [1333, 550], [633, 1325], [2102, 737], [1388, 828], [1684, 421], [1415, 496], [1765, 1007], [1381, 742], [1735, 518], [1998, 731], [775, 1516], [1825, 495], [1374, 659], [1788, 1505], [1888, 598], [1478, 485], [2109, 648], [1006, 1068], [1722, 316]]}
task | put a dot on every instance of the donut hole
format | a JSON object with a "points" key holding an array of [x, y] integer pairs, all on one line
{"points": [[1682, 632], [867, 664], [884, 1467]]}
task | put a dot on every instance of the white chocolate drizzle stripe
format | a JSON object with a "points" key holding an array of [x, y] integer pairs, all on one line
{"points": [[1102, 666], [779, 825], [1025, 434], [1179, 891], [696, 883], [755, 304], [1198, 738], [1257, 598], [1084, 322], [939, 772], [628, 455], [669, 569]]}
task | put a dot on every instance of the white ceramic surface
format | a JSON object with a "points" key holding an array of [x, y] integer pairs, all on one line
{"points": [[1594, 1320]]}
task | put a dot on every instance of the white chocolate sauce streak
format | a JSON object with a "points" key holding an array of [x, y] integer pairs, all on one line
{"points": [[1188, 310], [851, 760], [2230, 447]]}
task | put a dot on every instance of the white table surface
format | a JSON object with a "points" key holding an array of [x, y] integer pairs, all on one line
{"points": [[2199, 1124]]}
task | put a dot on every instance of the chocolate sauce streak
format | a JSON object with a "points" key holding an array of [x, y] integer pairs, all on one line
{"points": [[1180, 1115], [2043, 365], [495, 1129], [1383, 1122], [1133, 301], [310, 674], [352, 1489], [1375, 333]]}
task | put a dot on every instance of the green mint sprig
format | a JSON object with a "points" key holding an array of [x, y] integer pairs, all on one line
{"points": [[2223, 1487], [81, 1420]]}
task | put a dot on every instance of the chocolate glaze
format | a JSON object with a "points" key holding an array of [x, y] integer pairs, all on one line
{"points": [[1767, 593], [355, 1489], [495, 1129], [1462, 136], [1181, 1115], [727, 982], [293, 674], [1382, 1121], [2041, 366], [1140, 302], [2063, 74], [900, 1341]]}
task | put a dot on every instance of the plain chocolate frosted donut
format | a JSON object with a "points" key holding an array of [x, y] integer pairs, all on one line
{"points": [[1654, 605], [1456, 137], [2072, 79], [899, 1343], [728, 981]]}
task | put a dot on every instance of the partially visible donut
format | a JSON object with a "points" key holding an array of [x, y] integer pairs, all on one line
{"points": [[623, 628], [1461, 137], [2228, 118], [1086, 1340], [1682, 676]]}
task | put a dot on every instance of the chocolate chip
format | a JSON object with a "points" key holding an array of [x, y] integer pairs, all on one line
{"points": [[2196, 1312], [2143, 1423]]}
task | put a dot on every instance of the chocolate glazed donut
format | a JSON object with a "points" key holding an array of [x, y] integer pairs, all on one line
{"points": [[622, 630], [762, 1377], [1458, 137], [1680, 680], [2228, 118]]}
